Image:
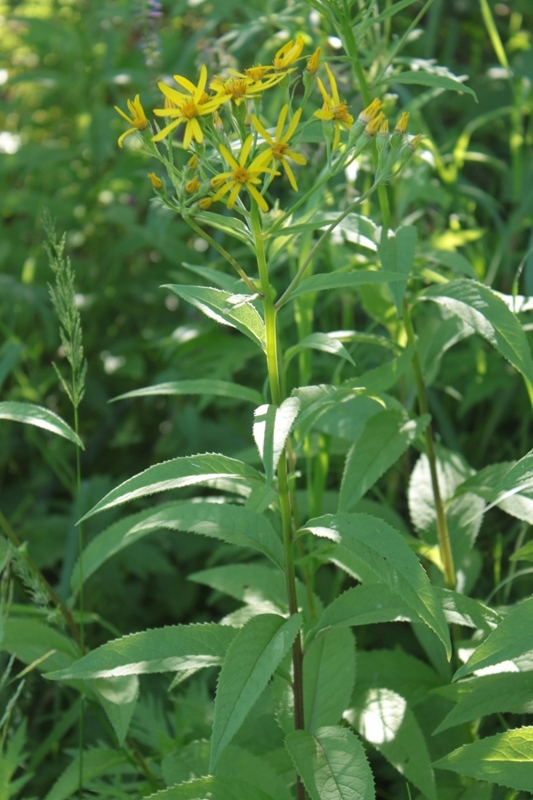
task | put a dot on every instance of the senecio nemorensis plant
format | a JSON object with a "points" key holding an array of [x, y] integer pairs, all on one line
{"points": [[285, 170]]}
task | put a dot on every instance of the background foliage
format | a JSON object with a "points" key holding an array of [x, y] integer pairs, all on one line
{"points": [[64, 66]]}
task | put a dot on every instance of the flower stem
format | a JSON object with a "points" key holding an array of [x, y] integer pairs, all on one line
{"points": [[274, 378]]}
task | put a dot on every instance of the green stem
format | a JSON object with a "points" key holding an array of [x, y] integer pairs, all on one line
{"points": [[442, 525], [274, 378], [223, 252]]}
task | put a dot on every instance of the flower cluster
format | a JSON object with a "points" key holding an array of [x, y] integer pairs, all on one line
{"points": [[233, 149]]}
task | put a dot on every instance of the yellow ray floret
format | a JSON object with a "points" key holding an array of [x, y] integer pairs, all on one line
{"points": [[242, 175], [278, 148], [138, 118], [241, 86], [289, 53], [187, 108], [334, 108]]}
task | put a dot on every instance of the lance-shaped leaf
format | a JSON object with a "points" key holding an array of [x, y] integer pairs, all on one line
{"points": [[382, 553], [323, 282], [325, 700], [174, 474], [396, 252], [168, 649], [505, 759], [254, 654], [326, 342], [385, 437], [30, 414], [271, 429], [215, 303], [199, 386], [435, 79], [490, 694], [383, 718], [485, 312], [233, 524], [87, 766], [332, 764], [215, 787], [511, 640]]}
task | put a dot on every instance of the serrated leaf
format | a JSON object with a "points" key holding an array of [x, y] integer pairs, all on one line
{"points": [[383, 553], [505, 759], [176, 473], [118, 697], [92, 764], [200, 386], [511, 640], [364, 605], [385, 437], [459, 609], [34, 642], [214, 304], [257, 769], [491, 694], [332, 764], [383, 718], [272, 426], [382, 378], [343, 280], [325, 700], [398, 671], [325, 342], [250, 662], [488, 315], [396, 252], [215, 787], [31, 414], [168, 649], [433, 79]]}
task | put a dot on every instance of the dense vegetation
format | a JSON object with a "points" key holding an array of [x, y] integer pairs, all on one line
{"points": [[312, 389]]}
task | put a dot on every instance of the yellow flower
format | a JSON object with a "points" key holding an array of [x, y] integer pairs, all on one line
{"points": [[137, 119], [375, 124], [370, 111], [333, 108], [312, 64], [401, 125], [257, 72], [205, 203], [289, 53], [192, 186], [241, 175], [157, 183], [279, 147], [187, 108], [241, 86]]}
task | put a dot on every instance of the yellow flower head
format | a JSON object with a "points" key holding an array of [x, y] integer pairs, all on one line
{"points": [[370, 111], [242, 175], [401, 125], [137, 119], [289, 53], [257, 72], [187, 108], [157, 183], [375, 124], [312, 64], [192, 186], [242, 86], [278, 148], [333, 108]]}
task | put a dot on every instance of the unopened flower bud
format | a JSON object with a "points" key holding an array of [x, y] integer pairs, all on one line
{"points": [[192, 186], [156, 182], [205, 203], [312, 64]]}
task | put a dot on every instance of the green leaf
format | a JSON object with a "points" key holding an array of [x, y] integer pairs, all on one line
{"points": [[383, 718], [396, 253], [233, 524], [491, 694], [511, 640], [91, 764], [34, 642], [329, 675], [382, 378], [344, 280], [452, 260], [488, 315], [256, 769], [216, 304], [118, 697], [319, 341], [357, 228], [385, 437], [200, 386], [517, 478], [174, 474], [398, 671], [383, 553], [215, 787], [363, 605], [332, 764], [230, 225], [41, 417], [168, 649], [423, 78], [272, 426], [459, 609], [250, 662], [505, 759]]}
